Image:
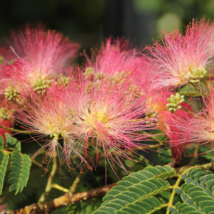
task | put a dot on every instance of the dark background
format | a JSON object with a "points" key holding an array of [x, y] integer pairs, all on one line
{"points": [[89, 22]]}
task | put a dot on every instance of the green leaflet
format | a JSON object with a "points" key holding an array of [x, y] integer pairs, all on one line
{"points": [[12, 142], [1, 143], [4, 157], [165, 155], [197, 193], [140, 192], [136, 192], [20, 164], [35, 186], [3, 167], [20, 169]]}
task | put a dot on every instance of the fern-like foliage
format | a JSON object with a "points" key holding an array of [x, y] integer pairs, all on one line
{"points": [[136, 193], [141, 192], [19, 166], [4, 158], [12, 142], [34, 189], [197, 193], [20, 170]]}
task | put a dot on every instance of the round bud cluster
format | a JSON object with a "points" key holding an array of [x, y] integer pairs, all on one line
{"points": [[4, 114], [197, 74], [63, 81], [11, 94], [41, 85], [174, 102]]}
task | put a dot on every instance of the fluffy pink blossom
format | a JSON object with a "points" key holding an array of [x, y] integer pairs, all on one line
{"points": [[156, 103], [181, 59], [46, 118], [178, 133], [167, 121], [42, 48], [6, 123], [201, 127], [109, 120], [6, 117], [113, 56], [36, 55], [117, 58], [105, 118]]}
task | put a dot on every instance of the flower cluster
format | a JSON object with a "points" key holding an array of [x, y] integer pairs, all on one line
{"points": [[105, 107]]}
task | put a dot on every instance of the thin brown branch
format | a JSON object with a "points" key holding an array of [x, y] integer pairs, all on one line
{"points": [[62, 201]]}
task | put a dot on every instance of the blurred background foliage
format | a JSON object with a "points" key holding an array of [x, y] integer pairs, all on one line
{"points": [[90, 22]]}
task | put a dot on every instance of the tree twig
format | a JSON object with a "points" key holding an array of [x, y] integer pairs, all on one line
{"points": [[62, 201]]}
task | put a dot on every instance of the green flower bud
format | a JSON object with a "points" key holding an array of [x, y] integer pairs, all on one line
{"points": [[11, 94], [197, 74], [4, 114], [174, 102], [41, 85]]}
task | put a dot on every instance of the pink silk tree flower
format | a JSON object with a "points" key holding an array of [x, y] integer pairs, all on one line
{"points": [[6, 117], [108, 120], [167, 121], [102, 119], [178, 135], [202, 125], [115, 61], [117, 65], [197, 128], [39, 54], [183, 59], [157, 107], [113, 56], [43, 48], [47, 118]]}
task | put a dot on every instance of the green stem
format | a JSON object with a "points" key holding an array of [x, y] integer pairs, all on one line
{"points": [[15, 130], [170, 204], [57, 186], [50, 179], [76, 182], [40, 166], [184, 171]]}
